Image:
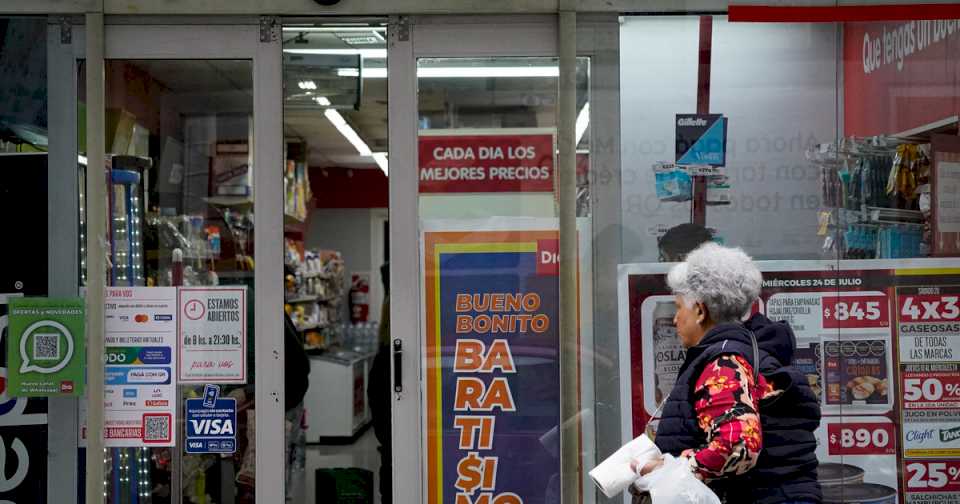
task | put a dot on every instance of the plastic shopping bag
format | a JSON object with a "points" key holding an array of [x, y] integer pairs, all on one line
{"points": [[674, 483], [614, 474]]}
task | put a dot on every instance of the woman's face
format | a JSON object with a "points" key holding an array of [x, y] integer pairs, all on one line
{"points": [[689, 321]]}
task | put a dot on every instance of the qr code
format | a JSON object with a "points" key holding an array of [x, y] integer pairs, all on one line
{"points": [[156, 428], [46, 347]]}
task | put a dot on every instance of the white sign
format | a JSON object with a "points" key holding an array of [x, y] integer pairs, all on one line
{"points": [[140, 390], [212, 346]]}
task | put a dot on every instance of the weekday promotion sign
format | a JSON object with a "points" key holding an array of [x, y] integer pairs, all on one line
{"points": [[492, 365], [486, 161], [45, 347], [213, 335], [878, 342]]}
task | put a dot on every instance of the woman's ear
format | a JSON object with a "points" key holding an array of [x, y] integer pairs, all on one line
{"points": [[702, 313]]}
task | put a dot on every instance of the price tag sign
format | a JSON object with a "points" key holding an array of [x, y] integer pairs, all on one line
{"points": [[861, 439], [930, 386], [855, 312], [933, 476], [929, 308]]}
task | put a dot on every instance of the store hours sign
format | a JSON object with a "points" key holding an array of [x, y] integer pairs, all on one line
{"points": [[212, 344]]}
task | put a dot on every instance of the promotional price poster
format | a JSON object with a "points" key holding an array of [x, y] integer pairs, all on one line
{"points": [[878, 342], [140, 389], [492, 362]]}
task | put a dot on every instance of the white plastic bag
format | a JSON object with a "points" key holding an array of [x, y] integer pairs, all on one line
{"points": [[614, 474], [674, 483]]}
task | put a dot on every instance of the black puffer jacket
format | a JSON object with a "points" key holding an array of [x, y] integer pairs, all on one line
{"points": [[786, 469]]}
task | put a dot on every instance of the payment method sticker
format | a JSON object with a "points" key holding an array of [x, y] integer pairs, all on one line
{"points": [[139, 384]]}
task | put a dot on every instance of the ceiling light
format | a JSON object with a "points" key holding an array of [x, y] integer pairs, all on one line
{"points": [[309, 84], [334, 29], [458, 72], [583, 120], [381, 159], [364, 53], [341, 124], [322, 100]]}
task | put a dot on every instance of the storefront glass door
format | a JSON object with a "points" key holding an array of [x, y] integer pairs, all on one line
{"points": [[477, 351], [193, 396]]}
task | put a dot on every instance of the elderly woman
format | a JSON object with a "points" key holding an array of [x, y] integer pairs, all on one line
{"points": [[734, 375]]}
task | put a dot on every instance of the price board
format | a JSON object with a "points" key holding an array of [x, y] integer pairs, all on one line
{"points": [[850, 312], [932, 481], [861, 438]]}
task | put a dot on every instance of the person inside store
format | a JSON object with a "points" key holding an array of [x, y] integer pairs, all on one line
{"points": [[379, 393], [682, 239], [740, 415]]}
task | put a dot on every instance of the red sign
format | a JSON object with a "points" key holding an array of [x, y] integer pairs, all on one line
{"points": [[899, 75], [931, 389], [486, 163], [855, 312], [929, 308], [861, 439], [548, 257], [933, 476]]}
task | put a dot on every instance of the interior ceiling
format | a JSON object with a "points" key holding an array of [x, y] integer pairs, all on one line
{"points": [[442, 103]]}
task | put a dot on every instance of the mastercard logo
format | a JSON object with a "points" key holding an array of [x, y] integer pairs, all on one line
{"points": [[141, 319]]}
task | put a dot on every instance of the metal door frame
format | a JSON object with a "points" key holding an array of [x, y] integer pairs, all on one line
{"points": [[411, 38], [257, 40]]}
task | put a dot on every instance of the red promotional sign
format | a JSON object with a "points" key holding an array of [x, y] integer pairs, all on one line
{"points": [[486, 163], [931, 389], [933, 476], [855, 312], [899, 75], [929, 308], [861, 439]]}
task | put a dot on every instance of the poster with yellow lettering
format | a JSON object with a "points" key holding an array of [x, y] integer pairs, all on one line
{"points": [[491, 362]]}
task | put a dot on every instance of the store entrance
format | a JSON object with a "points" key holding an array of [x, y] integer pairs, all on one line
{"points": [[336, 254]]}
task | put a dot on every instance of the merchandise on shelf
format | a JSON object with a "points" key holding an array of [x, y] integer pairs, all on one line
{"points": [[672, 182], [874, 192], [296, 190]]}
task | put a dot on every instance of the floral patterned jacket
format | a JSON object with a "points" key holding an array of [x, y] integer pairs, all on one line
{"points": [[726, 399]]}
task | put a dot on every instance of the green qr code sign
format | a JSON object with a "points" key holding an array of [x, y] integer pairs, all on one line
{"points": [[45, 347]]}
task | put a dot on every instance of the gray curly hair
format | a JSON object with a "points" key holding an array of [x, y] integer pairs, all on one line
{"points": [[724, 279]]}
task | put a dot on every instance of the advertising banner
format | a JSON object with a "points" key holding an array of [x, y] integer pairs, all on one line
{"points": [[876, 341], [894, 74], [140, 387], [701, 139], [486, 161], [45, 347], [23, 435], [212, 346], [491, 360]]}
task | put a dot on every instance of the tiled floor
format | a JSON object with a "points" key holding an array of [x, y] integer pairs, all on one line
{"points": [[363, 454]]}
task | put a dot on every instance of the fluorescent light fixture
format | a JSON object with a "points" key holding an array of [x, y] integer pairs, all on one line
{"points": [[82, 159], [381, 159], [307, 84], [341, 124], [333, 29], [466, 72], [583, 119], [364, 53], [459, 72], [323, 101]]}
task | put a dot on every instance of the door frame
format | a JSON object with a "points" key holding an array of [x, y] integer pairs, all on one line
{"points": [[411, 38], [257, 40], [416, 37]]}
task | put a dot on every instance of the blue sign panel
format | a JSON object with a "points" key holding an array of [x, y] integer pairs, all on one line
{"points": [[701, 139], [211, 426]]}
